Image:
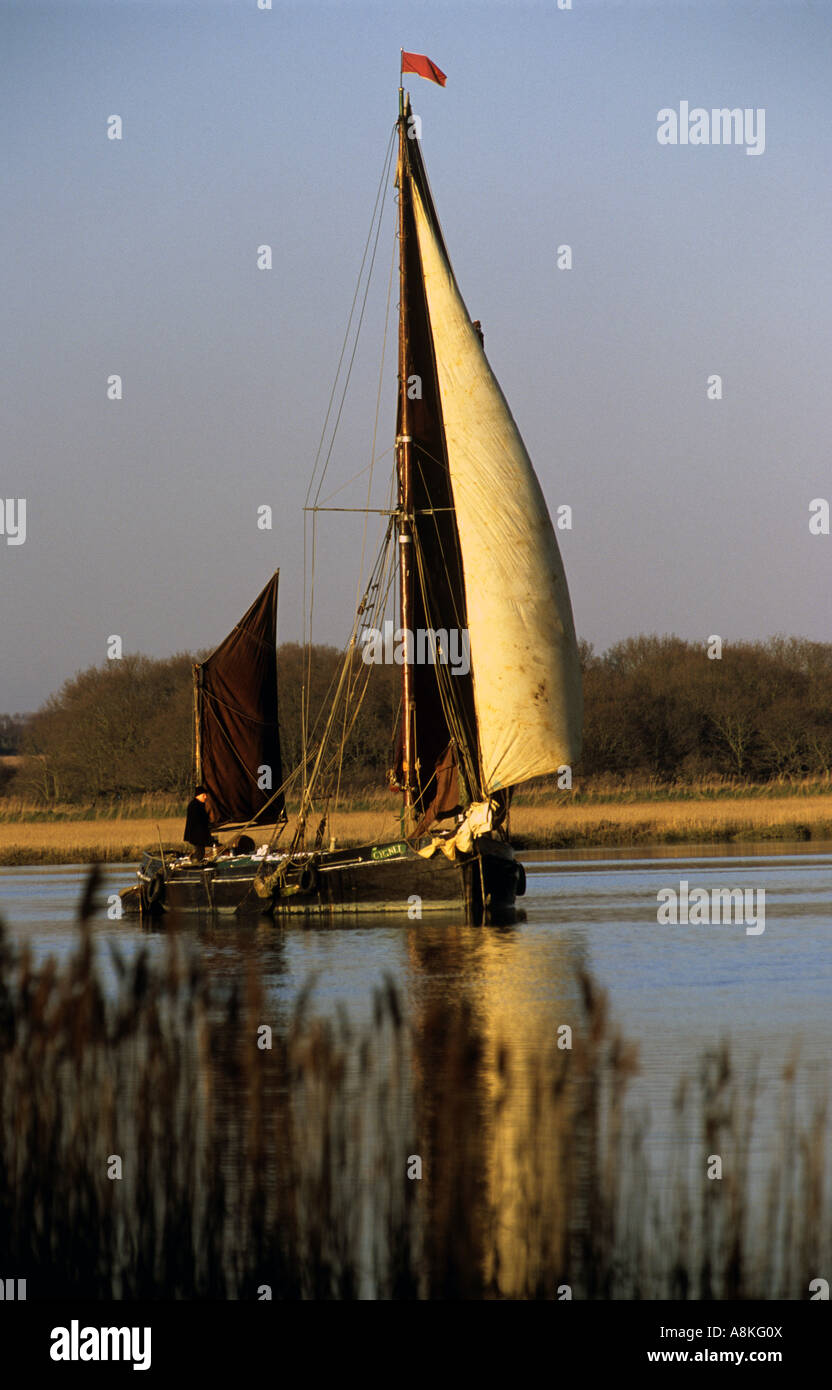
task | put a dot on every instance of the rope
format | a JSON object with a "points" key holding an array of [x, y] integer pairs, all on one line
{"points": [[376, 218]]}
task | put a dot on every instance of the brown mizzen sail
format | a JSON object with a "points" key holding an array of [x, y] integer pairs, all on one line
{"points": [[237, 734]]}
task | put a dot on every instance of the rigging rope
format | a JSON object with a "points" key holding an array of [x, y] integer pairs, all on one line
{"points": [[376, 221]]}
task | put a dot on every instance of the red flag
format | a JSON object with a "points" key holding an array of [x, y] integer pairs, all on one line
{"points": [[418, 63]]}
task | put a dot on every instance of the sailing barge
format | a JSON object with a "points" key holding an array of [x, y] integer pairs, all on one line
{"points": [[472, 553]]}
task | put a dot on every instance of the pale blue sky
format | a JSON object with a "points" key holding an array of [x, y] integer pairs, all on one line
{"points": [[243, 127]]}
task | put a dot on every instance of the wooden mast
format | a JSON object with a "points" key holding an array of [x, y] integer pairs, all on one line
{"points": [[404, 522], [197, 732]]}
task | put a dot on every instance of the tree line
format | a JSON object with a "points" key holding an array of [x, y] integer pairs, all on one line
{"points": [[11, 733], [662, 707], [126, 728], [653, 707]]}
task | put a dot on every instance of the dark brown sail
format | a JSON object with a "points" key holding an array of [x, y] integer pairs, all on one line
{"points": [[238, 740], [443, 729]]}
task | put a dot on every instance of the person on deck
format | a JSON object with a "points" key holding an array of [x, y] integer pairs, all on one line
{"points": [[198, 825]]}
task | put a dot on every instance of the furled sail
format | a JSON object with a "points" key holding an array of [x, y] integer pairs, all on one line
{"points": [[524, 657], [238, 740]]}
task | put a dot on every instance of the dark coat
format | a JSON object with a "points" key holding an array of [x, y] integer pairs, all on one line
{"points": [[197, 824]]}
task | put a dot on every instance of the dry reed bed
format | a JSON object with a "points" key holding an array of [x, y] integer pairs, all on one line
{"points": [[544, 826], [287, 1166], [799, 817], [542, 792], [79, 842]]}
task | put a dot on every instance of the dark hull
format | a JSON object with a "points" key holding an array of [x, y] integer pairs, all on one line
{"points": [[394, 878]]}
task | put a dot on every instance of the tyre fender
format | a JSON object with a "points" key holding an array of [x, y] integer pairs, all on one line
{"points": [[155, 892], [308, 881]]}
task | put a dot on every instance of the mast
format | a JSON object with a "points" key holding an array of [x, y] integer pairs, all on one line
{"points": [[197, 728], [404, 523], [437, 760]]}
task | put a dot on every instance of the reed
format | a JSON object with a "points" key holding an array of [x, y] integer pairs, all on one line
{"points": [[598, 790], [686, 822], [84, 842], [245, 1166], [542, 826], [14, 809]]}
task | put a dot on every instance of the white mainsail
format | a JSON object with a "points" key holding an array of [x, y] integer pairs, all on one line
{"points": [[524, 656]]}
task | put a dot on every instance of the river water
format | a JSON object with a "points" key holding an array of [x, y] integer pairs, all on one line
{"points": [[673, 989], [671, 986]]}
